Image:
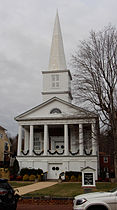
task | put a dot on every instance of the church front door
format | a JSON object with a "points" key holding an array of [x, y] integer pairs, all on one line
{"points": [[54, 170]]}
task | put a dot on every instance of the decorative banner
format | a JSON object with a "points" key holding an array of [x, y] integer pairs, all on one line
{"points": [[25, 153], [88, 152], [56, 152], [74, 153], [36, 153]]}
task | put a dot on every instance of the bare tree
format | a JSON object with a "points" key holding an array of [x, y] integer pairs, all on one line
{"points": [[95, 77]]}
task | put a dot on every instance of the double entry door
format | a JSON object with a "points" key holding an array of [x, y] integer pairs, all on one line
{"points": [[54, 170]]}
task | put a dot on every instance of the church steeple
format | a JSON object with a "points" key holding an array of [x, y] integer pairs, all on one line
{"points": [[57, 80], [57, 56]]}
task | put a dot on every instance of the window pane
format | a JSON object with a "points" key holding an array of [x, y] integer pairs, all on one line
{"points": [[57, 84], [57, 77], [53, 84], [37, 144], [53, 77]]}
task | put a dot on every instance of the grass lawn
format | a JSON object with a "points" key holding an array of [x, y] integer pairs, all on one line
{"points": [[105, 186], [16, 184], [69, 189]]}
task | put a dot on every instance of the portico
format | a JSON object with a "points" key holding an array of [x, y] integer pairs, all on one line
{"points": [[45, 145]]}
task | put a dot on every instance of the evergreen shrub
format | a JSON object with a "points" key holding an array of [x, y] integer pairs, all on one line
{"points": [[31, 171], [76, 174]]}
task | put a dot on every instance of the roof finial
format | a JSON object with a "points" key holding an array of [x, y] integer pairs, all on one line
{"points": [[57, 56]]}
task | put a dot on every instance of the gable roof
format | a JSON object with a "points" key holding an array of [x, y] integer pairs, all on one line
{"points": [[44, 110], [88, 167], [2, 128]]}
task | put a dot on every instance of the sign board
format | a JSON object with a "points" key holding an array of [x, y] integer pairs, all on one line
{"points": [[88, 177]]}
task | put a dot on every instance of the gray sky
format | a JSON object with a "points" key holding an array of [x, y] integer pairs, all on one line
{"points": [[26, 28]]}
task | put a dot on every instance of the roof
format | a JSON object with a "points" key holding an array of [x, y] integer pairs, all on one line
{"points": [[2, 128], [68, 107], [57, 56], [88, 167]]}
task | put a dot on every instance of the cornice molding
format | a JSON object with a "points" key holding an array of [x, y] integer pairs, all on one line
{"points": [[58, 71]]}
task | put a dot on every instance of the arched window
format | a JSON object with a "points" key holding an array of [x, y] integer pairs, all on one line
{"points": [[55, 111]]}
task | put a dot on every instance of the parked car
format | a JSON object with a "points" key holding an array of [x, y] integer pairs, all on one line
{"points": [[8, 197], [96, 201]]}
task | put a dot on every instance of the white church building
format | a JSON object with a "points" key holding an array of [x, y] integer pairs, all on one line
{"points": [[57, 136]]}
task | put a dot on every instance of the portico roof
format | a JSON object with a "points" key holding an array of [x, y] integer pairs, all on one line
{"points": [[44, 111]]}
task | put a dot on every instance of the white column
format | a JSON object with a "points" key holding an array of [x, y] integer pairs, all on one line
{"points": [[81, 146], [19, 140], [31, 141], [66, 139], [26, 140], [94, 144], [45, 139]]}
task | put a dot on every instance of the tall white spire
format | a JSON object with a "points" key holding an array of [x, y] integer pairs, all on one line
{"points": [[57, 56]]}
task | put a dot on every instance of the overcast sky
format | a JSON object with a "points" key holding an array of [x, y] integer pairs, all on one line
{"points": [[26, 28]]}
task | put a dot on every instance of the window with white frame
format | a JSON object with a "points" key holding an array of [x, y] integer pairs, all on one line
{"points": [[37, 144], [55, 81]]}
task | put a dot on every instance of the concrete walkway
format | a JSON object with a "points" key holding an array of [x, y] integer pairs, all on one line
{"points": [[33, 187]]}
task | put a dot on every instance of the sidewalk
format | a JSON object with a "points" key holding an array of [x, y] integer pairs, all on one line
{"points": [[33, 187]]}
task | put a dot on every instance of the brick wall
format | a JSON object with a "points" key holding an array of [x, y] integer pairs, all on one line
{"points": [[46, 200]]}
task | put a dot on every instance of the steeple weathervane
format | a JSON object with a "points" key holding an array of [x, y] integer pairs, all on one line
{"points": [[57, 56]]}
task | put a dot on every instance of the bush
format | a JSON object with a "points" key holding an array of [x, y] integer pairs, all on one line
{"points": [[19, 178], [12, 178], [99, 179], [39, 171], [66, 178], [73, 178], [106, 180], [26, 177], [32, 177], [73, 173], [15, 168], [39, 178], [79, 178], [30, 171]]}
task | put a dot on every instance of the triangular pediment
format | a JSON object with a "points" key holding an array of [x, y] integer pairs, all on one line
{"points": [[55, 108]]}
